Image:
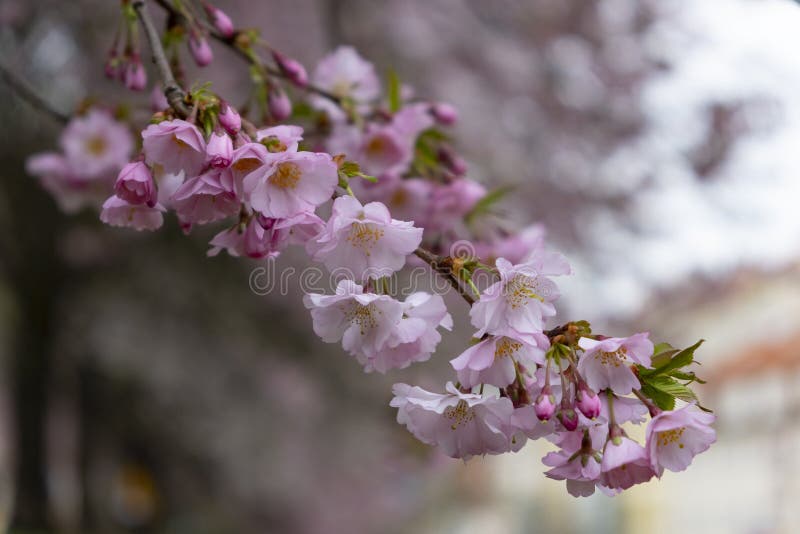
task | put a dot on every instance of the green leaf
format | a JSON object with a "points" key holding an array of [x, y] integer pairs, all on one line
{"points": [[664, 365], [666, 385], [394, 91], [686, 375], [662, 400], [485, 204]]}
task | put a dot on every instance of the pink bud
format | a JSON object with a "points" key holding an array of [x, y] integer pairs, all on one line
{"points": [[588, 401], [444, 113], [292, 69], [280, 107], [568, 418], [452, 161], [545, 404], [201, 50], [221, 21], [135, 184], [158, 102], [112, 66], [219, 150], [229, 118], [135, 77]]}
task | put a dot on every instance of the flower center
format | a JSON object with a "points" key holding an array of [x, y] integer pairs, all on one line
{"points": [[375, 146], [616, 358], [363, 316], [180, 142], [506, 347], [96, 146], [364, 236], [245, 165], [399, 198], [341, 88], [669, 437], [460, 414], [286, 176], [521, 289]]}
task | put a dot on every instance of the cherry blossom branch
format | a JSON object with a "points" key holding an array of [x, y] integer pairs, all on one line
{"points": [[234, 44], [26, 92], [174, 93], [444, 266]]}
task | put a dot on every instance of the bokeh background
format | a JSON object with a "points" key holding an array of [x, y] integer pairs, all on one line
{"points": [[150, 390]]}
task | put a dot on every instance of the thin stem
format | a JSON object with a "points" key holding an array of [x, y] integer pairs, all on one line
{"points": [[443, 265], [27, 93], [612, 421], [652, 408], [250, 57], [175, 94]]}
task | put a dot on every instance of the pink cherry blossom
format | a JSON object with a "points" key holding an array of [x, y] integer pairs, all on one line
{"points": [[415, 336], [70, 191], [291, 68], [249, 240], [365, 322], [606, 364], [545, 404], [364, 240], [462, 425], [578, 460], [229, 118], [675, 437], [221, 21], [135, 185], [452, 201], [625, 464], [248, 158], [410, 200], [292, 182], [281, 138], [523, 297], [219, 150], [626, 410], [200, 49], [176, 146], [494, 360], [95, 145], [119, 212], [206, 198], [346, 74]]}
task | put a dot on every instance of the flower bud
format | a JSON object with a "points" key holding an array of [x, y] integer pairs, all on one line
{"points": [[219, 150], [135, 184], [292, 69], [444, 114], [588, 401], [221, 21], [112, 66], [158, 102], [134, 75], [568, 417], [200, 49], [545, 405], [280, 107], [229, 118]]}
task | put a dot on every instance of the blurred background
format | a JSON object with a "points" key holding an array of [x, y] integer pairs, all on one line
{"points": [[145, 388]]}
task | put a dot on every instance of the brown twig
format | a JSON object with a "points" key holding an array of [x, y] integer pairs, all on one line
{"points": [[175, 94], [231, 42], [27, 93], [444, 266]]}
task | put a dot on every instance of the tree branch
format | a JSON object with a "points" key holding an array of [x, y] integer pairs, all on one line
{"points": [[444, 266], [175, 94], [231, 42], [26, 92]]}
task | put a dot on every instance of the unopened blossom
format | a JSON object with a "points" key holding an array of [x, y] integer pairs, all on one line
{"points": [[200, 49], [462, 425], [588, 401], [364, 240], [208, 197], [415, 336], [675, 437], [135, 184], [281, 138], [158, 102], [221, 21], [229, 118], [95, 145], [119, 212], [578, 459], [280, 107], [624, 464], [175, 146], [607, 363], [291, 183], [545, 404], [134, 76], [567, 415], [345, 74], [444, 113], [523, 297], [291, 68], [219, 150], [494, 360], [364, 322]]}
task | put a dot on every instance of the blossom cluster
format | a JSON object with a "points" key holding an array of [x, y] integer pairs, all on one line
{"points": [[336, 193]]}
